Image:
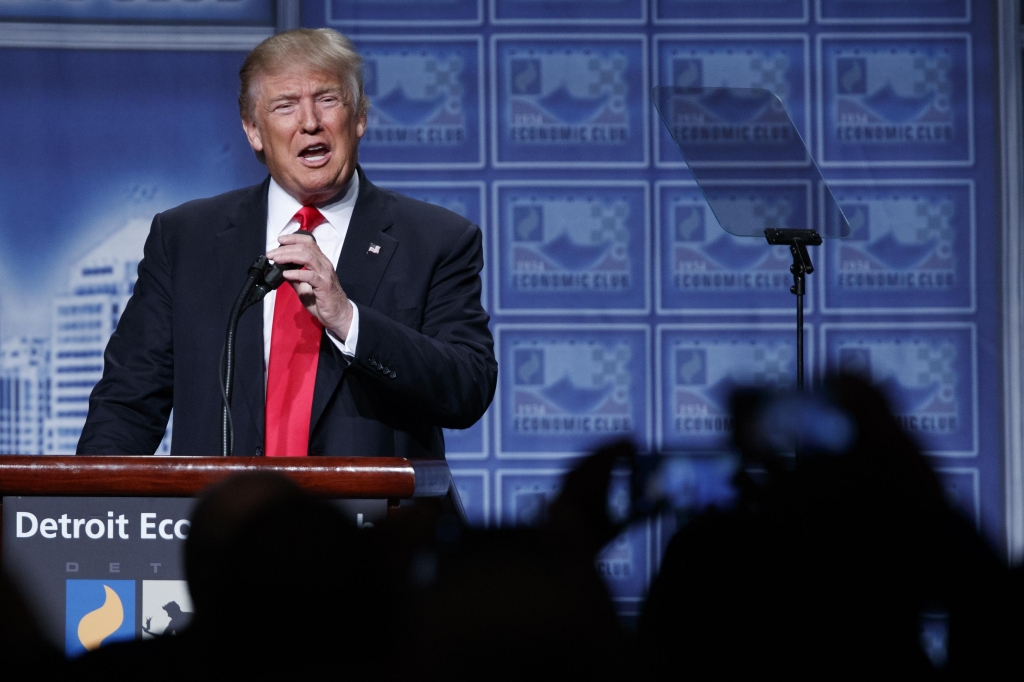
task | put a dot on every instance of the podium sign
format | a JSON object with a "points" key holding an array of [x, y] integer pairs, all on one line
{"points": [[102, 569]]}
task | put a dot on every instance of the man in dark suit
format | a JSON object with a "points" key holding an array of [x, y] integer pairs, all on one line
{"points": [[377, 342]]}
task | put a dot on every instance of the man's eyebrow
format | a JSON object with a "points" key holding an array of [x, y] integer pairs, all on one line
{"points": [[284, 96], [329, 89]]}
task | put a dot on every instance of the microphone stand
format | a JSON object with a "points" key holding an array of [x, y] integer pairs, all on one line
{"points": [[264, 277], [227, 356]]}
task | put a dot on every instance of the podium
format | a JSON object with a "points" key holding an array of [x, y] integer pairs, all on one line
{"points": [[389, 478], [75, 527]]}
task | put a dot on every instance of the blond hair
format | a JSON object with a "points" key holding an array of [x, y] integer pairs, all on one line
{"points": [[322, 49]]}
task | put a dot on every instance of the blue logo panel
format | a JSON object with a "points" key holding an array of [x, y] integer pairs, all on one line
{"points": [[699, 368], [393, 12], [731, 131], [730, 11], [524, 497], [893, 11], [239, 12], [904, 100], [963, 490], [578, 248], [563, 390], [577, 12], [426, 103], [570, 101], [474, 492], [928, 372], [98, 612], [911, 247], [703, 268]]}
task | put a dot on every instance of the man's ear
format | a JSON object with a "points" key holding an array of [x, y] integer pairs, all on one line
{"points": [[252, 132], [361, 126]]}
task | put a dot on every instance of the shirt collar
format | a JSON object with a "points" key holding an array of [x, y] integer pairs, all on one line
{"points": [[282, 207]]}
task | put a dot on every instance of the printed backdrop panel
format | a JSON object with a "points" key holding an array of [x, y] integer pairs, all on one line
{"points": [[237, 12], [730, 11], [928, 370], [427, 96], [882, 12], [704, 269], [574, 12], [911, 248], [565, 389], [569, 101], [779, 64], [896, 100], [699, 367], [572, 248]]}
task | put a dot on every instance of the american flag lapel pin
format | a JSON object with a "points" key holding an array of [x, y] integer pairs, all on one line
{"points": [[374, 248]]}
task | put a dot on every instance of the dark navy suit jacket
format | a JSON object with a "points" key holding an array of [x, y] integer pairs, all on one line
{"points": [[420, 317]]}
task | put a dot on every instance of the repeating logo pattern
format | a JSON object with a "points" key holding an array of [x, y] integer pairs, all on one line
{"points": [[928, 372], [570, 101], [700, 367], [893, 11], [625, 563], [910, 247], [899, 101], [726, 128], [572, 247], [394, 13], [576, 12], [704, 268], [98, 612], [245, 12], [564, 390], [426, 103], [730, 11]]}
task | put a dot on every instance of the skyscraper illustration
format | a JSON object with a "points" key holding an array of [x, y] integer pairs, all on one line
{"points": [[45, 383], [24, 394]]}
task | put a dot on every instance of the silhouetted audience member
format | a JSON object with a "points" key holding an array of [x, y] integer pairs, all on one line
{"points": [[510, 604], [282, 588], [23, 646], [825, 570]]}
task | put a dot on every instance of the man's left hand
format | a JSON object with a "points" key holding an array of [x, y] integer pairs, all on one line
{"points": [[316, 284]]}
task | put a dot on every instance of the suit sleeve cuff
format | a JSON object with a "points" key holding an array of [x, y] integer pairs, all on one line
{"points": [[348, 346]]}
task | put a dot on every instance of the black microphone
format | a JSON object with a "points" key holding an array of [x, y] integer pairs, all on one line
{"points": [[273, 276]]}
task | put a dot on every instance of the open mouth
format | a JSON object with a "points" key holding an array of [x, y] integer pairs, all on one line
{"points": [[314, 153]]}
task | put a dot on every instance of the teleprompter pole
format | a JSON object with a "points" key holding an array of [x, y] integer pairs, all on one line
{"points": [[797, 241]]}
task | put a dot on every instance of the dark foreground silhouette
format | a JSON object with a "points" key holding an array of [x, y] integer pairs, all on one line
{"points": [[851, 564]]}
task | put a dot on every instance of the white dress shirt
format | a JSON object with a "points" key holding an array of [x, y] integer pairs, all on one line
{"points": [[330, 237]]}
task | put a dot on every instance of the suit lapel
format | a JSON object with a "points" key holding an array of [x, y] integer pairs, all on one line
{"points": [[364, 259], [237, 247]]}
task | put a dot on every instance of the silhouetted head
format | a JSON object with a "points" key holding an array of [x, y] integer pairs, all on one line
{"points": [[221, 513]]}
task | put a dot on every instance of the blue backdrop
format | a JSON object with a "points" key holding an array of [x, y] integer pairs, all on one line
{"points": [[619, 305]]}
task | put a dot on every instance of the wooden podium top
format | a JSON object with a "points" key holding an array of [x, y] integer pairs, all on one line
{"points": [[335, 477]]}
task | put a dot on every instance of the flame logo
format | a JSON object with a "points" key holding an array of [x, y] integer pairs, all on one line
{"points": [[528, 369], [97, 625]]}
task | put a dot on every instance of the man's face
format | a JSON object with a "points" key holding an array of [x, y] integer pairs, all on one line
{"points": [[306, 126]]}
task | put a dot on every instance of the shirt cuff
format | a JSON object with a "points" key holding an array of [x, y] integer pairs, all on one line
{"points": [[348, 346]]}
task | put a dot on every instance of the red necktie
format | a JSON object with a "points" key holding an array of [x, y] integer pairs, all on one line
{"points": [[291, 375]]}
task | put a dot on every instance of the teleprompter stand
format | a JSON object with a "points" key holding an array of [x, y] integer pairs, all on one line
{"points": [[797, 241]]}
